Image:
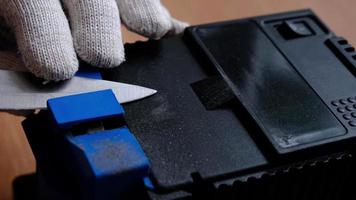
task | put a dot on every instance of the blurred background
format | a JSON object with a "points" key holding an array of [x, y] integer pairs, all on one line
{"points": [[339, 15]]}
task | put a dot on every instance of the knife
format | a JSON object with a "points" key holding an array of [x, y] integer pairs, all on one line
{"points": [[22, 91]]}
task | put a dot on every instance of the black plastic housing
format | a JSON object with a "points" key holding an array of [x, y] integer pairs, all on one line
{"points": [[290, 95]]}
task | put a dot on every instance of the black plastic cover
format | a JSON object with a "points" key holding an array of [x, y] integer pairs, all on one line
{"points": [[277, 97], [293, 99]]}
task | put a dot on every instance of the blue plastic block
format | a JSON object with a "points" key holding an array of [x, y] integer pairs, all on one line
{"points": [[88, 72], [111, 161], [75, 109]]}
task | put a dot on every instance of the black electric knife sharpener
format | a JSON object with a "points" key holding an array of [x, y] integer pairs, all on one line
{"points": [[257, 107]]}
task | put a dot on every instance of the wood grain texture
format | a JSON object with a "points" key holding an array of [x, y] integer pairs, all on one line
{"points": [[15, 155]]}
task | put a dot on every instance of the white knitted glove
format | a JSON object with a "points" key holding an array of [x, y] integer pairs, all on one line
{"points": [[49, 47]]}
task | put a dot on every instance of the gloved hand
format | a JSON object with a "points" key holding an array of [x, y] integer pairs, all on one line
{"points": [[49, 47]]}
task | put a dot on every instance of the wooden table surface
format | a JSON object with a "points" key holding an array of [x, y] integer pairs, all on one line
{"points": [[15, 155]]}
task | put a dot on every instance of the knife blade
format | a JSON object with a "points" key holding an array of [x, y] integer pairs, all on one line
{"points": [[21, 91]]}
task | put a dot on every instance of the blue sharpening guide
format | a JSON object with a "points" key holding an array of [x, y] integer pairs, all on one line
{"points": [[75, 109], [88, 72], [112, 153], [105, 163]]}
